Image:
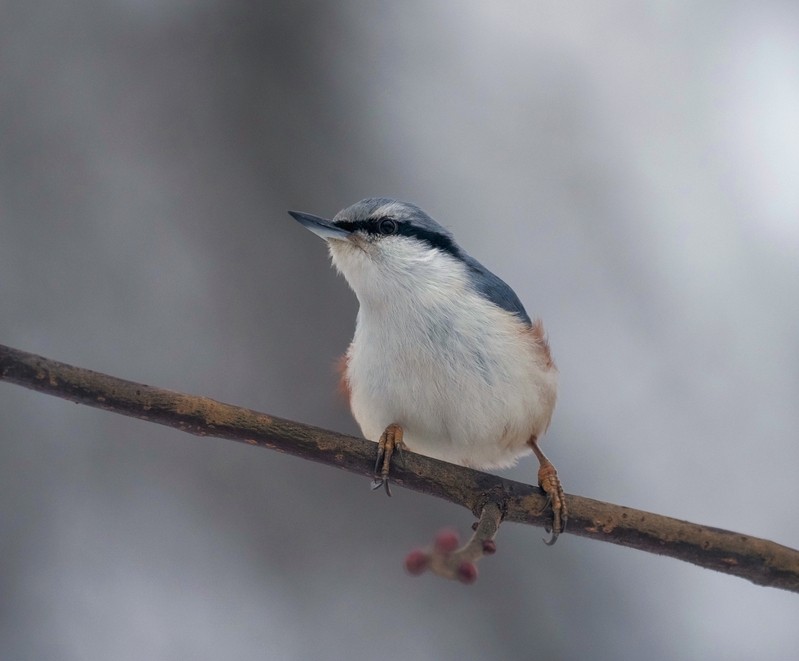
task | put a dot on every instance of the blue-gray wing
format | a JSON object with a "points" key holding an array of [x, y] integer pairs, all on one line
{"points": [[495, 289]]}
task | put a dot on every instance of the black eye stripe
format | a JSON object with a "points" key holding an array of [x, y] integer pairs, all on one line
{"points": [[373, 226], [368, 226], [433, 239]]}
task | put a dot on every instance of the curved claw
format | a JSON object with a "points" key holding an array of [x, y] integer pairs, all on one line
{"points": [[390, 440], [381, 453], [553, 535], [380, 482], [549, 482]]}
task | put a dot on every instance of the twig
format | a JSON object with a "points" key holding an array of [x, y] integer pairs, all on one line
{"points": [[445, 559], [758, 560]]}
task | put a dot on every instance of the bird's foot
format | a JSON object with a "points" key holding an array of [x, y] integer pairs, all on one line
{"points": [[390, 440], [550, 484]]}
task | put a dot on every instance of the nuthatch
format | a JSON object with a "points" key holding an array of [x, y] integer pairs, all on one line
{"points": [[445, 360]]}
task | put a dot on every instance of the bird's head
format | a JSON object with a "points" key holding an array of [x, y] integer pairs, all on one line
{"points": [[380, 243], [390, 250]]}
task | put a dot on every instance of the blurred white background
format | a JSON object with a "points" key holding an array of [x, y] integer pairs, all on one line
{"points": [[631, 169]]}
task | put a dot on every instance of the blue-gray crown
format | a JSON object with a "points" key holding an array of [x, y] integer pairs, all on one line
{"points": [[409, 220]]}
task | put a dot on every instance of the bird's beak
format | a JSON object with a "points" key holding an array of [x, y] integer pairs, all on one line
{"points": [[320, 226]]}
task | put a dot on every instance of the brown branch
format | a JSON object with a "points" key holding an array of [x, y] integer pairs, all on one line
{"points": [[758, 560]]}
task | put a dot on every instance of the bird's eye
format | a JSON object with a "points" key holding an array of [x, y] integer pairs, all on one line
{"points": [[387, 226]]}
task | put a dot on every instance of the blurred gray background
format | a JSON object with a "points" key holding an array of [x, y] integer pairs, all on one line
{"points": [[631, 169]]}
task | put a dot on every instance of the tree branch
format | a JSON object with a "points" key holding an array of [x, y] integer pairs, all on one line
{"points": [[758, 560]]}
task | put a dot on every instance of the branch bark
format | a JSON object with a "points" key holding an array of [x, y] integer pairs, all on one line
{"points": [[761, 561]]}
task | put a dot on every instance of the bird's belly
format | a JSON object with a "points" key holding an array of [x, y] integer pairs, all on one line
{"points": [[478, 414]]}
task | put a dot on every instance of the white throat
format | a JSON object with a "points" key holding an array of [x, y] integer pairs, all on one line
{"points": [[399, 272]]}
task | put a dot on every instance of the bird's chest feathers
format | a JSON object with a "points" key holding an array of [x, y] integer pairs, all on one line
{"points": [[436, 350], [461, 375]]}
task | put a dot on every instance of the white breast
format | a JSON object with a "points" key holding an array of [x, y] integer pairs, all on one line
{"points": [[465, 379]]}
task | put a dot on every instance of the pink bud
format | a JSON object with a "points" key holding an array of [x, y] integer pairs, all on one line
{"points": [[489, 546], [446, 541], [467, 572], [416, 562]]}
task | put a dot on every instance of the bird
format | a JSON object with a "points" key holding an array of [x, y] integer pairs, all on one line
{"points": [[444, 361]]}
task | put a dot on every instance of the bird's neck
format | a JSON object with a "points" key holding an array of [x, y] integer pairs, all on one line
{"points": [[417, 289]]}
